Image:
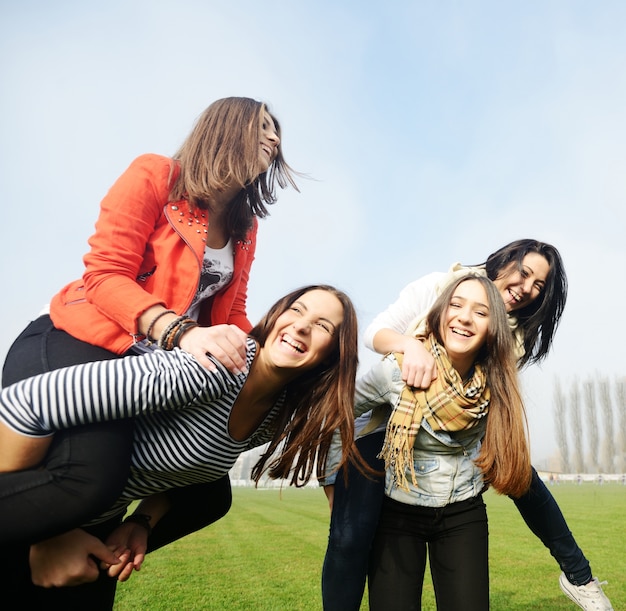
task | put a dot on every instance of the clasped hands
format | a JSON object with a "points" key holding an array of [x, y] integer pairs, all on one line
{"points": [[76, 557]]}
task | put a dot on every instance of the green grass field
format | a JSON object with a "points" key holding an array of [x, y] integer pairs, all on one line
{"points": [[267, 553]]}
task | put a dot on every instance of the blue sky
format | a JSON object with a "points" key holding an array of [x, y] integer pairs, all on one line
{"points": [[431, 132]]}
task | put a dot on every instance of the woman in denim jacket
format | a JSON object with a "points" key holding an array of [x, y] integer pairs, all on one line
{"points": [[443, 446]]}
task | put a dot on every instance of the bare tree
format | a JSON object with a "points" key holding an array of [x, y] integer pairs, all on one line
{"points": [[592, 419], [560, 418], [577, 431], [620, 392], [604, 390]]}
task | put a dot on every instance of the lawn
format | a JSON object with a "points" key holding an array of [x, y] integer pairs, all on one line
{"points": [[266, 555]]}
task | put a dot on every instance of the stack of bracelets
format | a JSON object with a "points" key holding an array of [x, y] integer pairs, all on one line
{"points": [[170, 338]]}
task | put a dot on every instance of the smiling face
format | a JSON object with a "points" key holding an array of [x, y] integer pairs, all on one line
{"points": [[306, 333], [268, 142], [465, 324], [520, 287]]}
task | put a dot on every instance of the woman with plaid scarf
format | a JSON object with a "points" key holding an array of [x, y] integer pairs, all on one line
{"points": [[443, 446]]}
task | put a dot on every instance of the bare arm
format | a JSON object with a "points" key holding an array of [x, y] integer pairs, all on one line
{"points": [[330, 495]]}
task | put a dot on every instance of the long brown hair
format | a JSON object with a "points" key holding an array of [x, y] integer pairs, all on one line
{"points": [[222, 149], [504, 457], [318, 402]]}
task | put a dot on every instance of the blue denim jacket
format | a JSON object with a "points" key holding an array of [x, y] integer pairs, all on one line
{"points": [[444, 462]]}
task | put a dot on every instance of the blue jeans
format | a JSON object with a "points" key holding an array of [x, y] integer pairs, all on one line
{"points": [[354, 520], [353, 524]]}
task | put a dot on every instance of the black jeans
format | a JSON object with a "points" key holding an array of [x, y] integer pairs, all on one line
{"points": [[455, 540], [86, 468], [15, 579], [84, 472], [355, 517]]}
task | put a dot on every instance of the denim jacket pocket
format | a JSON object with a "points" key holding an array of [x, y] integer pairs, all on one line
{"points": [[431, 486], [424, 466]]}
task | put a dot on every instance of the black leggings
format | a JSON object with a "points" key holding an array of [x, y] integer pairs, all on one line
{"points": [[15, 582], [85, 469], [84, 472]]}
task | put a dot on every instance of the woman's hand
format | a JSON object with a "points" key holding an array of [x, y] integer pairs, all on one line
{"points": [[129, 541], [418, 365], [68, 559], [226, 343]]}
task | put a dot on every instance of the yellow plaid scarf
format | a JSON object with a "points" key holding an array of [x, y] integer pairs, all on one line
{"points": [[448, 405]]}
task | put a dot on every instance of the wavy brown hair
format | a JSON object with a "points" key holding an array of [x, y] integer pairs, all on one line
{"points": [[222, 149], [504, 457], [316, 403]]}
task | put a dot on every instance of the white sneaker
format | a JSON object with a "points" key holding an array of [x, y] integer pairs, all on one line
{"points": [[589, 597]]}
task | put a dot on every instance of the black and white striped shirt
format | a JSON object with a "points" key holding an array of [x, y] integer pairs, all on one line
{"points": [[182, 411]]}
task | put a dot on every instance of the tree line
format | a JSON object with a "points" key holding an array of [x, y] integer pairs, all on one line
{"points": [[590, 422]]}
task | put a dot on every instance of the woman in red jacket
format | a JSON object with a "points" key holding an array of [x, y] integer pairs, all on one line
{"points": [[168, 267]]}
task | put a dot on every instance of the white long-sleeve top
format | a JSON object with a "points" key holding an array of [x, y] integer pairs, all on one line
{"points": [[409, 311], [406, 315]]}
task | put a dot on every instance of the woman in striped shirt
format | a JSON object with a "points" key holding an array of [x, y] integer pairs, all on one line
{"points": [[191, 425]]}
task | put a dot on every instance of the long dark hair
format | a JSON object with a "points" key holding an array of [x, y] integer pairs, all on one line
{"points": [[504, 457], [539, 319], [317, 402]]}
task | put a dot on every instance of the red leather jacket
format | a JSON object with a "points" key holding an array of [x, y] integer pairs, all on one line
{"points": [[146, 251]]}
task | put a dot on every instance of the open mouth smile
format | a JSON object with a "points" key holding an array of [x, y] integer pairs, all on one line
{"points": [[516, 296], [459, 331], [290, 341]]}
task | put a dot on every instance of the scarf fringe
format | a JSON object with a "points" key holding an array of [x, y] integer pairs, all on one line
{"points": [[398, 456]]}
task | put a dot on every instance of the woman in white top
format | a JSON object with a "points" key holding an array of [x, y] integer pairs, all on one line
{"points": [[531, 279]]}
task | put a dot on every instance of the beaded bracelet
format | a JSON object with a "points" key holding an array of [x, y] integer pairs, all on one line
{"points": [[174, 331], [182, 329], [149, 337], [168, 341], [168, 330]]}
